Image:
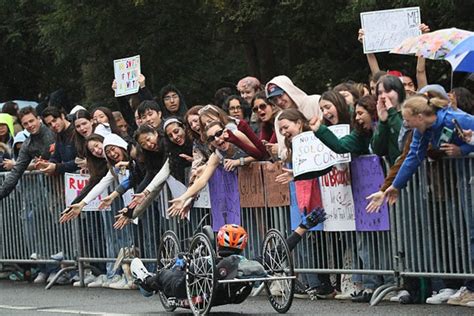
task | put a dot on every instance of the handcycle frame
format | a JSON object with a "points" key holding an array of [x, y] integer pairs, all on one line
{"points": [[202, 283]]}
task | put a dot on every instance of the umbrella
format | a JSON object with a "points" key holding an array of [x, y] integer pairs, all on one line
{"points": [[433, 45], [461, 57]]}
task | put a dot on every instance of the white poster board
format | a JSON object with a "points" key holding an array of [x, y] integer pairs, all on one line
{"points": [[203, 200], [74, 183], [310, 154], [127, 70], [338, 202], [386, 29]]}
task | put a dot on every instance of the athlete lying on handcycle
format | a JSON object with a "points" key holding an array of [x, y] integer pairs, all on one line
{"points": [[231, 241]]}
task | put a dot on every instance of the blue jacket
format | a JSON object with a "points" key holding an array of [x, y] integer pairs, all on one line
{"points": [[65, 151], [420, 142]]}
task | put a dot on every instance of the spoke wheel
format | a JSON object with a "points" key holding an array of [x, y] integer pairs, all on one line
{"points": [[201, 275], [278, 262], [169, 249]]}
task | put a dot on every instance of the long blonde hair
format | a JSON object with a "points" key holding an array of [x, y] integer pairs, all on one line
{"points": [[420, 104]]}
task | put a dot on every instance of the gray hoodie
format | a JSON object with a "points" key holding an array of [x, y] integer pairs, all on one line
{"points": [[307, 104], [37, 145]]}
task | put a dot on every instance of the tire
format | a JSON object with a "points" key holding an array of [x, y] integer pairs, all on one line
{"points": [[201, 278], [277, 261], [168, 250]]}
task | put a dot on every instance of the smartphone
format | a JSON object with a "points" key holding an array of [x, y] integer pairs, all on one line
{"points": [[458, 128], [446, 135]]}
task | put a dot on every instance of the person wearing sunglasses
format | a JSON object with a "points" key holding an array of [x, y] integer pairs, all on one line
{"points": [[226, 154], [266, 113], [248, 141]]}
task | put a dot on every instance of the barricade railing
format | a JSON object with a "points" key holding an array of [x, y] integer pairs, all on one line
{"points": [[431, 235]]}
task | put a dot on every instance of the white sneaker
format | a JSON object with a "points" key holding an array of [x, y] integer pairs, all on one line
{"points": [[123, 284], [51, 277], [108, 281], [345, 295], [88, 279], [456, 297], [41, 278], [440, 298], [139, 271], [401, 293], [98, 282]]}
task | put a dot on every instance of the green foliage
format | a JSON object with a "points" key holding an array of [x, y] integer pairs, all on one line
{"points": [[198, 45]]}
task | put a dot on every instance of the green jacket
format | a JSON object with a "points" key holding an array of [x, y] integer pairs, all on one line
{"points": [[385, 139], [354, 143]]}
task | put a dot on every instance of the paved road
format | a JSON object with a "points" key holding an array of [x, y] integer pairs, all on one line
{"points": [[21, 298]]}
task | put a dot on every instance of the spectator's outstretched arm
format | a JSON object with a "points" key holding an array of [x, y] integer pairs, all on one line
{"points": [[421, 78], [371, 58], [12, 178]]}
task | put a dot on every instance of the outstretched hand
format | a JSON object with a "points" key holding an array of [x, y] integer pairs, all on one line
{"points": [[376, 201], [123, 218], [391, 194], [71, 213], [285, 177]]}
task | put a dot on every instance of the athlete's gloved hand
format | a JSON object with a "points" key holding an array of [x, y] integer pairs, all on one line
{"points": [[315, 217]]}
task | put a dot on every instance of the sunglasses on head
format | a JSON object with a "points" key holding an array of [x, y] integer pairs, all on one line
{"points": [[216, 135], [260, 107]]}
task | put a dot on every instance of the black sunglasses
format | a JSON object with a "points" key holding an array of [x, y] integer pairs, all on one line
{"points": [[216, 135], [261, 107]]}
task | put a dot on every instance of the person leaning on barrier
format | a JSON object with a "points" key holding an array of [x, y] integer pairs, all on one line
{"points": [[63, 158], [431, 119], [37, 146]]}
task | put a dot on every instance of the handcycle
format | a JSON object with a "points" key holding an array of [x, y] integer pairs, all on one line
{"points": [[203, 287]]}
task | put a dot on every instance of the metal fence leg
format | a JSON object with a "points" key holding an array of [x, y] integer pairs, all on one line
{"points": [[380, 293], [56, 277]]}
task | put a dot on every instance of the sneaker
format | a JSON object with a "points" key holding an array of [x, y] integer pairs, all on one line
{"points": [[275, 289], [441, 297], [363, 296], [88, 279], [108, 281], [63, 279], [470, 304], [300, 291], [139, 271], [401, 293], [58, 256], [123, 284], [41, 278], [325, 291], [467, 297], [98, 282], [455, 299], [345, 296], [35, 256]]}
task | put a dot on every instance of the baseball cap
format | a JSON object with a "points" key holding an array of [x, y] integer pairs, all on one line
{"points": [[273, 90]]}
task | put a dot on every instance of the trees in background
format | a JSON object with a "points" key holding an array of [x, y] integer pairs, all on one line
{"points": [[199, 45]]}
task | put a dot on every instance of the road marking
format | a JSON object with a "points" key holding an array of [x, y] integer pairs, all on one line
{"points": [[60, 311]]}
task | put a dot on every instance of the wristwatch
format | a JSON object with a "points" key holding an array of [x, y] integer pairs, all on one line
{"points": [[242, 161]]}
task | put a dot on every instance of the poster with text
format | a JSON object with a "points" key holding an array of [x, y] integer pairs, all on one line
{"points": [[367, 178], [310, 154], [251, 186], [225, 200], [386, 29], [74, 183], [337, 199], [276, 194], [127, 70]]}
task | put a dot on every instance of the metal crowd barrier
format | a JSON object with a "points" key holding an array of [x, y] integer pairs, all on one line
{"points": [[432, 230]]}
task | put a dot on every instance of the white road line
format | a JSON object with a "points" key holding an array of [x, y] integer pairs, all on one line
{"points": [[60, 311]]}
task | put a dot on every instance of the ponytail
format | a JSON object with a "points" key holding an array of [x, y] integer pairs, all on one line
{"points": [[420, 104]]}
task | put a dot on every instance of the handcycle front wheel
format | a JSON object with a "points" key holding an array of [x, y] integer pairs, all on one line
{"points": [[201, 279], [167, 252], [277, 261]]}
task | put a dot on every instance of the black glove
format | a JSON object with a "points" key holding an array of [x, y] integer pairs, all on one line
{"points": [[317, 216]]}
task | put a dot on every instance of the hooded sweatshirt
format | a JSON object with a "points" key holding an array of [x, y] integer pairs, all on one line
{"points": [[108, 179], [7, 119], [306, 104]]}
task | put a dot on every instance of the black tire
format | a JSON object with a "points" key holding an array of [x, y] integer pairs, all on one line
{"points": [[277, 261], [169, 249], [201, 278]]}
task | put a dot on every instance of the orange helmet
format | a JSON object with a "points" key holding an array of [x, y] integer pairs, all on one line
{"points": [[232, 236]]}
